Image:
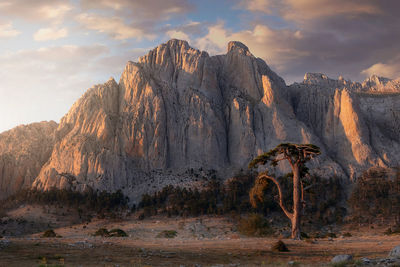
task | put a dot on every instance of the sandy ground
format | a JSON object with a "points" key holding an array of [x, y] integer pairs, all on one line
{"points": [[205, 241]]}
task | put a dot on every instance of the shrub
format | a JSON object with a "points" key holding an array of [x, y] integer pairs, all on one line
{"points": [[117, 233], [304, 235], [112, 233], [279, 247], [167, 234], [49, 234], [254, 225], [347, 234], [331, 235], [392, 230], [101, 232]]}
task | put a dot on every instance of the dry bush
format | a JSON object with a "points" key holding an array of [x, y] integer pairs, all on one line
{"points": [[279, 247], [254, 225]]}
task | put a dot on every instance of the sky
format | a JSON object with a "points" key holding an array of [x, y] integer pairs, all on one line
{"points": [[52, 51]]}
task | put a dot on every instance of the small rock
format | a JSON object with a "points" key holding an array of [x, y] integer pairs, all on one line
{"points": [[395, 253], [365, 260], [81, 244], [341, 258]]}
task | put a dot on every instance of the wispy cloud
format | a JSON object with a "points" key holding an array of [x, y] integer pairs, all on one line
{"points": [[46, 34], [38, 10], [391, 68], [7, 31], [115, 27]]}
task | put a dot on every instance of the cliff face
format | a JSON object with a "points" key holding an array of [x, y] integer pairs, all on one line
{"points": [[23, 151], [178, 109], [358, 125], [174, 110]]}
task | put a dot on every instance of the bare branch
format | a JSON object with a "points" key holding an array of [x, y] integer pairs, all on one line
{"points": [[276, 182]]}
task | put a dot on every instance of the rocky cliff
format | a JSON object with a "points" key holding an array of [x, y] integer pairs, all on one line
{"points": [[23, 152], [179, 114], [357, 123]]}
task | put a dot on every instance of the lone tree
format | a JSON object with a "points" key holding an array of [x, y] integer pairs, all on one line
{"points": [[297, 155]]}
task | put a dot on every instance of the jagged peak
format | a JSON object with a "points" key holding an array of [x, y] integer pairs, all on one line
{"points": [[111, 80], [239, 47], [314, 77], [177, 42], [173, 46], [376, 80]]}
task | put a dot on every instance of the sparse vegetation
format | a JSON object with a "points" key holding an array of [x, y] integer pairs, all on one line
{"points": [[216, 198], [376, 197], [86, 202], [167, 234], [50, 234], [347, 234], [254, 225], [103, 232], [279, 246], [117, 233]]}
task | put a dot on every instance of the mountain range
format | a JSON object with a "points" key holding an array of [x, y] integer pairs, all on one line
{"points": [[179, 116]]}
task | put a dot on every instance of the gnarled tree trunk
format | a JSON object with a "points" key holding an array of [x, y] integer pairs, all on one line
{"points": [[296, 203]]}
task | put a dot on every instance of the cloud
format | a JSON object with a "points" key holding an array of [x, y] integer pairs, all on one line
{"points": [[391, 69], [115, 27], [274, 46], [7, 31], [46, 34], [38, 10], [337, 37], [149, 10], [125, 19], [301, 10], [178, 35]]}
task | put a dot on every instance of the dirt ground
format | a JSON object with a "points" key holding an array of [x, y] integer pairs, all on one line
{"points": [[205, 241]]}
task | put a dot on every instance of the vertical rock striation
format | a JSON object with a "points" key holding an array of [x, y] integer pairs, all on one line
{"points": [[23, 151], [178, 109]]}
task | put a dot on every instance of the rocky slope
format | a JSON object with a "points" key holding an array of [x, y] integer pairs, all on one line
{"points": [[23, 152], [179, 114]]}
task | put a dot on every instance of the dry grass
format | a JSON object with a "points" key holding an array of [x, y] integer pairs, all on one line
{"points": [[223, 246]]}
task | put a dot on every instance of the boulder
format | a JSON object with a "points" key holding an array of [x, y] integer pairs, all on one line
{"points": [[395, 252], [341, 258]]}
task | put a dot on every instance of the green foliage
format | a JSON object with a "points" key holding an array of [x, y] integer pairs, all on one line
{"points": [[167, 234], [297, 152], [254, 225], [279, 247]]}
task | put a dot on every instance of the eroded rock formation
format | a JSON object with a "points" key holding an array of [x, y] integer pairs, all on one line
{"points": [[23, 152], [178, 109]]}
